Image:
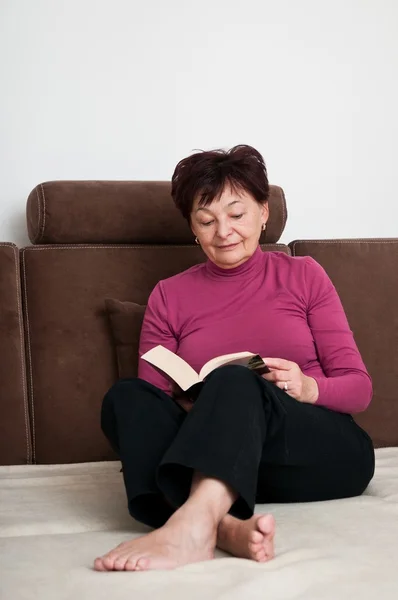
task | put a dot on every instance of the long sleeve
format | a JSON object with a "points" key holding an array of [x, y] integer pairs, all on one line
{"points": [[156, 330], [347, 386]]}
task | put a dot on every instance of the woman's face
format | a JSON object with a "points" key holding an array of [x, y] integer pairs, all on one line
{"points": [[228, 229]]}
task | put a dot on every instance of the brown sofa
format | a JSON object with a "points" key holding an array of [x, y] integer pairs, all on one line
{"points": [[95, 240], [63, 343]]}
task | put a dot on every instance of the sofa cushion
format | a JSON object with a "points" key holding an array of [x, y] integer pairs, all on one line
{"points": [[365, 275], [120, 212], [126, 321], [69, 341], [15, 443]]}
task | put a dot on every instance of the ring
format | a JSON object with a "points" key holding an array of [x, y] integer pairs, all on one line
{"points": [[285, 387]]}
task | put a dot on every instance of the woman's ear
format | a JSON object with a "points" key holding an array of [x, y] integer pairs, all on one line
{"points": [[264, 212]]}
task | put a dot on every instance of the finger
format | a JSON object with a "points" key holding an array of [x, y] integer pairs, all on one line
{"points": [[277, 376], [282, 384], [278, 363], [271, 377]]}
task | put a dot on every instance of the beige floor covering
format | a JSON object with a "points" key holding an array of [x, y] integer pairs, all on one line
{"points": [[55, 519]]}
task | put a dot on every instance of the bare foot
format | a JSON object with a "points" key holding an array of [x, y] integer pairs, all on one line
{"points": [[253, 538], [177, 543]]}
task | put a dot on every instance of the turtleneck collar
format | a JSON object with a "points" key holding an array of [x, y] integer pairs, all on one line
{"points": [[249, 267]]}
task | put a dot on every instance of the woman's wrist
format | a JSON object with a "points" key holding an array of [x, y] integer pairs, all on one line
{"points": [[310, 392]]}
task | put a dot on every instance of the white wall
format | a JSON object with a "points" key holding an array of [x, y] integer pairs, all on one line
{"points": [[119, 89]]}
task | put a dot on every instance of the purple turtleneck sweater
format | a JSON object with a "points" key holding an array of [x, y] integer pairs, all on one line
{"points": [[274, 305]]}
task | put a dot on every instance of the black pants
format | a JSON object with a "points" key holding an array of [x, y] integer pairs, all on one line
{"points": [[243, 430]]}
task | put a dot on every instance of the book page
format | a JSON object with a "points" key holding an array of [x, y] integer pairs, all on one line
{"points": [[214, 363], [174, 366]]}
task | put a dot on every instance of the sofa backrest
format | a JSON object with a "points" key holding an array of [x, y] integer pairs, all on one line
{"points": [[365, 275], [69, 344], [15, 443], [50, 401], [71, 356]]}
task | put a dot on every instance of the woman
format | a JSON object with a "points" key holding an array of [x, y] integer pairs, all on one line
{"points": [[195, 471]]}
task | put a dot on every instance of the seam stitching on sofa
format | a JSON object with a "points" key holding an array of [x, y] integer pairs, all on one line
{"points": [[284, 216], [37, 236], [344, 241], [44, 211], [115, 246], [25, 399], [30, 362]]}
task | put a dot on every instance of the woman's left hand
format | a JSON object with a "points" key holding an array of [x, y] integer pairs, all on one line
{"points": [[288, 376]]}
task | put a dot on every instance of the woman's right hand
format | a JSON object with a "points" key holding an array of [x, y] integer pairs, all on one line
{"points": [[185, 403], [181, 398]]}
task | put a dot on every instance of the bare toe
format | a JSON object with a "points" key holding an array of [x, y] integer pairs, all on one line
{"points": [[256, 537], [254, 548], [98, 565], [131, 564], [120, 563], [108, 561], [266, 524], [261, 556], [142, 564]]}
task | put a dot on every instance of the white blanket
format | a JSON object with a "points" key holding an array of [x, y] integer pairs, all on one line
{"points": [[54, 520]]}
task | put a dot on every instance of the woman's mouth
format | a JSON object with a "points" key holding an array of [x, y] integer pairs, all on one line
{"points": [[227, 247]]}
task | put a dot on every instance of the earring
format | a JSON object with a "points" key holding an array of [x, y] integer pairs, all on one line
{"points": [[196, 241], [263, 226]]}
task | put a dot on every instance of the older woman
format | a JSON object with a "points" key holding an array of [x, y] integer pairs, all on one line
{"points": [[194, 471]]}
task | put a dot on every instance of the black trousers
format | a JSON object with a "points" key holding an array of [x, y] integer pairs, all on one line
{"points": [[243, 430]]}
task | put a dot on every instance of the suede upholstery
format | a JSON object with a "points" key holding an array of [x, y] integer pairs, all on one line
{"points": [[69, 338], [120, 212], [364, 273], [77, 344], [15, 444]]}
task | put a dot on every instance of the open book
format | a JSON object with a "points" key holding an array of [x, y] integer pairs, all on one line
{"points": [[186, 377]]}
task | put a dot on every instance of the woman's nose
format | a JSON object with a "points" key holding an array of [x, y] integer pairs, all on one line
{"points": [[224, 229]]}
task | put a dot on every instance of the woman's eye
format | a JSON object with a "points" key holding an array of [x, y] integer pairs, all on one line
{"points": [[237, 216], [207, 223]]}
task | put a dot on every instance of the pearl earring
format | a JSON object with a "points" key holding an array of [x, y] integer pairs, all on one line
{"points": [[263, 226], [196, 241]]}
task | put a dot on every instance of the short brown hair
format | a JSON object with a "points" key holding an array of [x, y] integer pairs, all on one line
{"points": [[206, 173]]}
